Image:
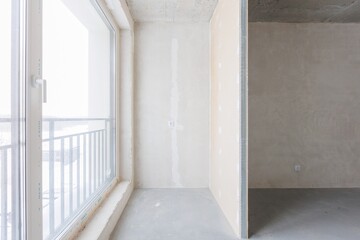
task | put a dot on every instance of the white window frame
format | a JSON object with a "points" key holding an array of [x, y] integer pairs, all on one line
{"points": [[33, 167]]}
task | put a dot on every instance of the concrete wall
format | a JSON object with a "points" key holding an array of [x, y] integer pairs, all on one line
{"points": [[172, 105], [304, 98], [225, 89]]}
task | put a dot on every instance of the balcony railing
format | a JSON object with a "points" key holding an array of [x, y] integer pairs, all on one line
{"points": [[77, 164]]}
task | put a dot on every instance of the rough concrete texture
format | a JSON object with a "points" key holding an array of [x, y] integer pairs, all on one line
{"points": [[299, 214], [172, 214], [172, 105], [304, 96], [225, 100], [343, 11], [172, 10]]}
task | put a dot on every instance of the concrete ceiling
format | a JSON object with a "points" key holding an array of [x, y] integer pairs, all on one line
{"points": [[171, 10], [342, 11]]}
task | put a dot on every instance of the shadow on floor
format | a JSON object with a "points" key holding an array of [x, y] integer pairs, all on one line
{"points": [[304, 214]]}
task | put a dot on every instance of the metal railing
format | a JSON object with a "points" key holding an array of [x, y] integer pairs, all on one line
{"points": [[77, 163], [5, 215]]}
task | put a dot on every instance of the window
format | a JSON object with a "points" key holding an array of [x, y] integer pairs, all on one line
{"points": [[71, 44], [11, 126], [78, 116]]}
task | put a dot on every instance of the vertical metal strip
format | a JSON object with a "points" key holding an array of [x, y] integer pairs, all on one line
{"points": [[51, 177], [84, 168], [98, 159], [106, 159], [244, 119], [62, 180], [4, 192], [71, 175], [78, 172], [94, 162], [103, 157], [90, 163]]}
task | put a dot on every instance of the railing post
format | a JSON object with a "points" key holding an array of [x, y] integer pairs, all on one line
{"points": [[3, 159], [78, 172], [84, 168], [62, 151], [71, 157], [51, 176], [112, 147]]}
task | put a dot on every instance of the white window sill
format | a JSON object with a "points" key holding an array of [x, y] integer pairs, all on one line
{"points": [[103, 222]]}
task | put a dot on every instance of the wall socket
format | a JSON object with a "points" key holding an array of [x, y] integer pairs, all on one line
{"points": [[297, 168], [171, 124]]}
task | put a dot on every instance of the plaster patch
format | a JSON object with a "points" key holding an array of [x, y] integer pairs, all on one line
{"points": [[174, 109]]}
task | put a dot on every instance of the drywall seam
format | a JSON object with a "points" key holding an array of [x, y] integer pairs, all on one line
{"points": [[243, 51], [174, 110]]}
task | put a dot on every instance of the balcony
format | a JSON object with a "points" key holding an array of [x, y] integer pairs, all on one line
{"points": [[77, 165]]}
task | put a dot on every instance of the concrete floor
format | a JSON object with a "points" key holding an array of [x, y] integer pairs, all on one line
{"points": [[172, 214], [304, 214]]}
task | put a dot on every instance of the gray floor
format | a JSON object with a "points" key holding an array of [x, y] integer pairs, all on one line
{"points": [[305, 214], [172, 214]]}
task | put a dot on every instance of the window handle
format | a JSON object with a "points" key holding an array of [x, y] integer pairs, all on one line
{"points": [[38, 82]]}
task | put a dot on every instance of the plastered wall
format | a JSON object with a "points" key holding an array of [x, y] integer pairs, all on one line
{"points": [[225, 105], [172, 105], [304, 98]]}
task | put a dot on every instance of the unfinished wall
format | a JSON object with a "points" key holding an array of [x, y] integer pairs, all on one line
{"points": [[172, 105], [225, 89], [304, 98]]}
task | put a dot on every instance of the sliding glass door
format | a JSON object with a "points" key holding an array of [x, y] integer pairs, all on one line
{"points": [[78, 112], [57, 115], [11, 120]]}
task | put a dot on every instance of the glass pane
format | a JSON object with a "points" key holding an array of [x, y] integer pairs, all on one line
{"points": [[78, 118], [9, 120]]}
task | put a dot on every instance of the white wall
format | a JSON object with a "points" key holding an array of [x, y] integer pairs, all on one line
{"points": [[225, 106], [172, 88], [304, 98]]}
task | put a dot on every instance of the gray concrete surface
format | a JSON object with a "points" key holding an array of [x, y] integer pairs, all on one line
{"points": [[304, 214], [172, 214], [341, 11], [304, 97], [171, 10]]}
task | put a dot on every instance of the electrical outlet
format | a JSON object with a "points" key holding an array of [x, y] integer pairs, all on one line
{"points": [[297, 168], [171, 124]]}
